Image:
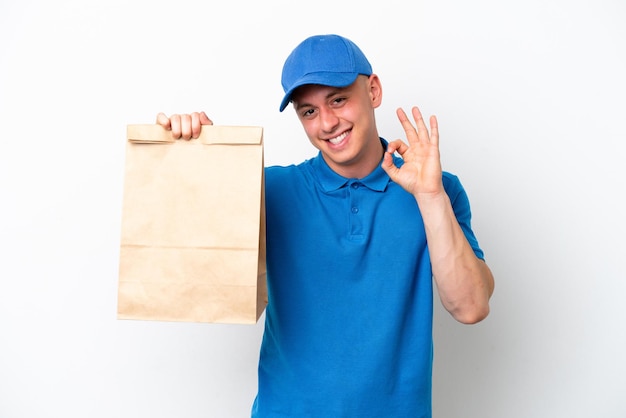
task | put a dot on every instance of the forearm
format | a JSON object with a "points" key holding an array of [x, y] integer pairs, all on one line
{"points": [[464, 281]]}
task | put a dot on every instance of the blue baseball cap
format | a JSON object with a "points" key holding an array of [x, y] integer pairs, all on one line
{"points": [[328, 60]]}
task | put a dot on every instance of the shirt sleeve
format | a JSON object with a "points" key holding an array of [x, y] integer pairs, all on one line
{"points": [[461, 207]]}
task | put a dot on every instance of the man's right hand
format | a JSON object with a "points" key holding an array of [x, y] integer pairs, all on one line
{"points": [[185, 126]]}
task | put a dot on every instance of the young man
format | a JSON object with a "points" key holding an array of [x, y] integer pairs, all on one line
{"points": [[354, 239]]}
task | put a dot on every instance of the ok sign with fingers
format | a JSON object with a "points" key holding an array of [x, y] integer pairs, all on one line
{"points": [[464, 282], [421, 172]]}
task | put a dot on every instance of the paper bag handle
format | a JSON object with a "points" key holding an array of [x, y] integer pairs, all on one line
{"points": [[210, 134]]}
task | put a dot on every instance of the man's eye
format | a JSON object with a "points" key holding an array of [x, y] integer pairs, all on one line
{"points": [[338, 100], [308, 112]]}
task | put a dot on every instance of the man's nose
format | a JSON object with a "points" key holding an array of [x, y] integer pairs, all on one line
{"points": [[329, 119]]}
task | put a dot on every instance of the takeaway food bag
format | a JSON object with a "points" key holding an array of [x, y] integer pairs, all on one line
{"points": [[193, 226]]}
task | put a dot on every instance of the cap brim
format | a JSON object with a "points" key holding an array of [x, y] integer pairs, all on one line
{"points": [[323, 79]]}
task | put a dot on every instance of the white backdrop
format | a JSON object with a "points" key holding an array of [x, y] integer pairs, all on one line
{"points": [[531, 103]]}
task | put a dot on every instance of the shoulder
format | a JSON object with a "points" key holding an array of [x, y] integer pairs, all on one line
{"points": [[450, 180], [283, 172], [456, 192], [293, 175], [452, 184]]}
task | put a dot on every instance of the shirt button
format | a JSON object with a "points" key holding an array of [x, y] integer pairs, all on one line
{"points": [[355, 185], [355, 210]]}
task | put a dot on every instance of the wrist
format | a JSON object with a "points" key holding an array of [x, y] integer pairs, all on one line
{"points": [[434, 206]]}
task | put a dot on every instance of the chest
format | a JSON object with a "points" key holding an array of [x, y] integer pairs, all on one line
{"points": [[349, 220]]}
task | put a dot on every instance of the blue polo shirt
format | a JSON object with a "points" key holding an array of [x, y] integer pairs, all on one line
{"points": [[348, 328]]}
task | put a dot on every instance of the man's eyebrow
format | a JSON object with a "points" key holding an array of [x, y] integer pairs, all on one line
{"points": [[331, 93]]}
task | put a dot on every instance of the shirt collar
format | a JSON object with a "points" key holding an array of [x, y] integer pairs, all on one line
{"points": [[377, 180]]}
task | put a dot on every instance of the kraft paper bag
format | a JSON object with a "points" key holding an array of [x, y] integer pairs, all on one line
{"points": [[193, 226]]}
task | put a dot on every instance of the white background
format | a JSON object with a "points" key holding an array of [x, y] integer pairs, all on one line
{"points": [[531, 100]]}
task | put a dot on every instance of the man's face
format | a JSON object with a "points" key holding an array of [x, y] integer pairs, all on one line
{"points": [[340, 123]]}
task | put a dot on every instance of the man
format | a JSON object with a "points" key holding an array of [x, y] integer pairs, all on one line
{"points": [[354, 239]]}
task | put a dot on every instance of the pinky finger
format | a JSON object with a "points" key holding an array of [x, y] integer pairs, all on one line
{"points": [[434, 130]]}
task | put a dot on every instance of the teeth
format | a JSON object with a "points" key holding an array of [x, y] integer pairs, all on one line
{"points": [[338, 139]]}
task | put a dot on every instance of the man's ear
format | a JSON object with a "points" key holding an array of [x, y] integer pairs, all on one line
{"points": [[375, 90]]}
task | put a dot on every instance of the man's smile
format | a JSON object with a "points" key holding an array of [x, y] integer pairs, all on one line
{"points": [[337, 140]]}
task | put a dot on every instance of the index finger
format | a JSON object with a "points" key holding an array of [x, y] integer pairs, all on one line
{"points": [[204, 119], [163, 120]]}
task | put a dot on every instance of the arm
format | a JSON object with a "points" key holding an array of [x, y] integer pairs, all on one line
{"points": [[464, 282], [185, 126]]}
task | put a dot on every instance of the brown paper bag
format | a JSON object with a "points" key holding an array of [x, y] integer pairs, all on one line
{"points": [[193, 226]]}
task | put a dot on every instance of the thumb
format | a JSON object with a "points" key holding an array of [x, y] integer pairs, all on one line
{"points": [[390, 168]]}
